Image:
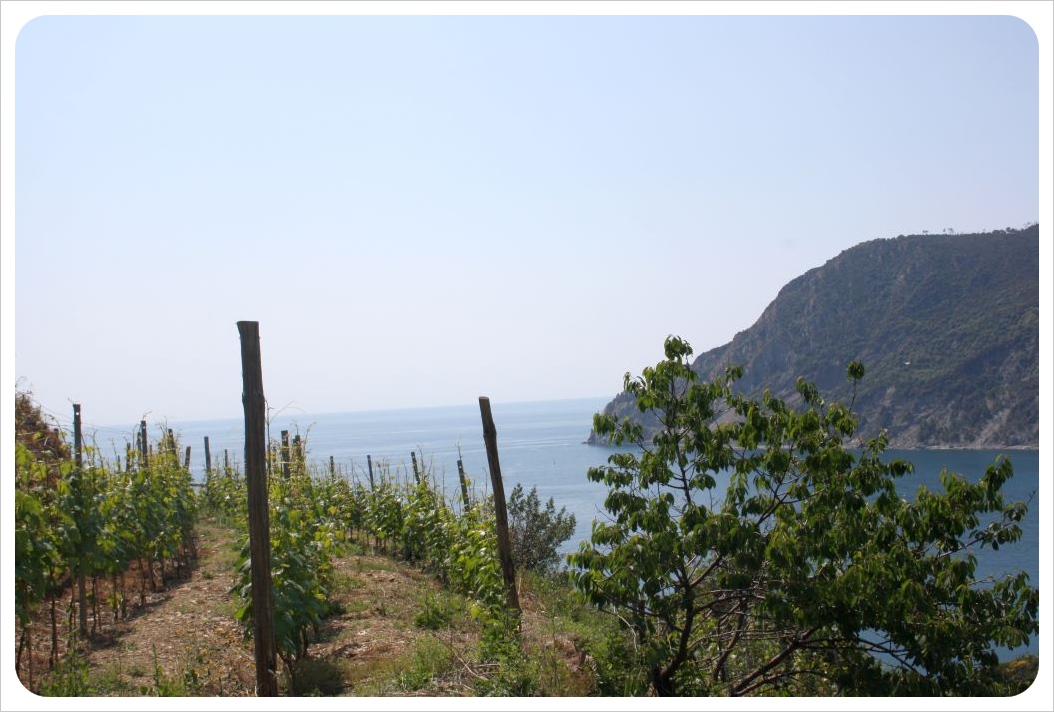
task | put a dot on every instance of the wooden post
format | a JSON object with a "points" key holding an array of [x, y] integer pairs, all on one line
{"points": [[259, 525], [143, 460], [417, 474], [332, 469], [298, 455], [186, 459], [208, 457], [78, 442], [369, 466], [508, 570], [78, 458], [285, 454], [464, 481], [226, 462]]}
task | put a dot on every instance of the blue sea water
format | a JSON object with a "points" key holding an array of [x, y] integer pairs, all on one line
{"points": [[541, 444]]}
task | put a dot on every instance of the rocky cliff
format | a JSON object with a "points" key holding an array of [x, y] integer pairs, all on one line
{"points": [[947, 327]]}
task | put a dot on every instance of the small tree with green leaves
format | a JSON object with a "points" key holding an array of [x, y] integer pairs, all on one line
{"points": [[804, 571], [536, 531]]}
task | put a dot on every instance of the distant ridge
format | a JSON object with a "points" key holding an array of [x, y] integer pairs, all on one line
{"points": [[947, 327]]}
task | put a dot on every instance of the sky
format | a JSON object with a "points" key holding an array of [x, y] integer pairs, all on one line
{"points": [[421, 204], [420, 210]]}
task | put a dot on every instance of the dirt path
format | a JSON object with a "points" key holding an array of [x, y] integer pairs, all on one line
{"points": [[185, 639]]}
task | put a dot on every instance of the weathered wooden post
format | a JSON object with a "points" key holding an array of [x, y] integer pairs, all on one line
{"points": [[332, 468], [208, 457], [259, 524], [417, 473], [78, 459], [143, 447], [285, 454], [508, 570], [373, 498], [78, 442], [464, 481]]}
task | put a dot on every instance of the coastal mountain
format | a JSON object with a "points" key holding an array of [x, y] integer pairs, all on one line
{"points": [[946, 326]]}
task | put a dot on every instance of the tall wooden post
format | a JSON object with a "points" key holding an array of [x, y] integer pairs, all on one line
{"points": [[369, 468], [259, 522], [208, 457], [78, 458], [186, 460], [508, 570], [78, 441], [417, 473]]}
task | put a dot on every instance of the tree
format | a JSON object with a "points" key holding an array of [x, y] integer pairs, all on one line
{"points": [[803, 572], [537, 532]]}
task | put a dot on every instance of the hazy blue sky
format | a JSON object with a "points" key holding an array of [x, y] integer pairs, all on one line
{"points": [[422, 210]]}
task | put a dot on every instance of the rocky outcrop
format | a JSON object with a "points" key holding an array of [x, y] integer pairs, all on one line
{"points": [[947, 327]]}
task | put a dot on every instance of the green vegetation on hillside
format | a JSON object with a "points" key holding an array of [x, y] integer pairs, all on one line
{"points": [[81, 525]]}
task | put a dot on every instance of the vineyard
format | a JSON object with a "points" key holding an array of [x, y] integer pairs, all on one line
{"points": [[97, 541], [90, 529]]}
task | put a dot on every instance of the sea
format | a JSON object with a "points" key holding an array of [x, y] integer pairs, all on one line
{"points": [[542, 445]]}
